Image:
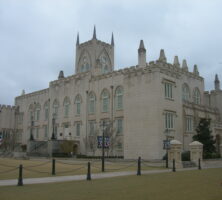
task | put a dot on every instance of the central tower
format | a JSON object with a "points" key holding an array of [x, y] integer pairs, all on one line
{"points": [[94, 55]]}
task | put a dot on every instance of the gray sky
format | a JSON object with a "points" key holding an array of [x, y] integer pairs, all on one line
{"points": [[37, 37]]}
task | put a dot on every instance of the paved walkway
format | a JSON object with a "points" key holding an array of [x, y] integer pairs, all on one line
{"points": [[77, 177]]}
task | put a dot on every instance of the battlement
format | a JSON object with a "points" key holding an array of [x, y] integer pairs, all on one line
{"points": [[7, 107]]}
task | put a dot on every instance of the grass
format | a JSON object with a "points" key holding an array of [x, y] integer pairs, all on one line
{"points": [[186, 185], [42, 168]]}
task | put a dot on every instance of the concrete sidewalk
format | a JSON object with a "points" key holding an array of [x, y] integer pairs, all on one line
{"points": [[55, 179]]}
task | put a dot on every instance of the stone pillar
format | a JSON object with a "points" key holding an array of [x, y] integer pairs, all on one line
{"points": [[175, 153], [196, 151]]}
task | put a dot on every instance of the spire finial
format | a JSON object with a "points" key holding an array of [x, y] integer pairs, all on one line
{"points": [[61, 75], [216, 83], [176, 61], [184, 65], [112, 40], [162, 57], [195, 70], [94, 32], [141, 47], [77, 40], [216, 78]]}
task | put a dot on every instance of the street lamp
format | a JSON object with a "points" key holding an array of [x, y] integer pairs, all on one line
{"points": [[32, 124], [103, 125], [53, 127], [167, 145]]}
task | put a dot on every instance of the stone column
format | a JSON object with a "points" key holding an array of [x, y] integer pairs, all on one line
{"points": [[196, 152], [175, 153]]}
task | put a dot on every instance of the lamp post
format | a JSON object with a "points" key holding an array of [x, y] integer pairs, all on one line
{"points": [[53, 127], [32, 124], [167, 146], [103, 145], [103, 125]]}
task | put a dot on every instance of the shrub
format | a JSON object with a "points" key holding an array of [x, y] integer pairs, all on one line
{"points": [[186, 156]]}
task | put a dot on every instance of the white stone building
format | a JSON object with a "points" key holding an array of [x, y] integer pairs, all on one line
{"points": [[142, 105]]}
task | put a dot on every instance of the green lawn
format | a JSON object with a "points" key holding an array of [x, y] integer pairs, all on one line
{"points": [[186, 185], [43, 168]]}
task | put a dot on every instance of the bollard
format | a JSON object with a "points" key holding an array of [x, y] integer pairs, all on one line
{"points": [[199, 165], [53, 166], [20, 179], [88, 177], [167, 160], [174, 167], [139, 167]]}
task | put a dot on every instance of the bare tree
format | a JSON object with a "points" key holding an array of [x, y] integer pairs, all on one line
{"points": [[9, 143]]}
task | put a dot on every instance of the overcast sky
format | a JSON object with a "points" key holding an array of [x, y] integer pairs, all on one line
{"points": [[37, 37]]}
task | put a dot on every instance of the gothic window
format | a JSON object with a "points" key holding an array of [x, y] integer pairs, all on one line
{"points": [[37, 112], [31, 112], [169, 120], [46, 110], [189, 123], [119, 126], [105, 101], [92, 103], [46, 131], [78, 104], [196, 96], [185, 92], [77, 128], [168, 90], [104, 64], [85, 65], [119, 98], [66, 105], [92, 128], [37, 133], [55, 108]]}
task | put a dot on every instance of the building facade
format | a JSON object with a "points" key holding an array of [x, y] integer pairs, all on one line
{"points": [[136, 108]]}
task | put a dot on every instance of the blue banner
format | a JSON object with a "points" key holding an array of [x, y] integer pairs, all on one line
{"points": [[100, 142]]}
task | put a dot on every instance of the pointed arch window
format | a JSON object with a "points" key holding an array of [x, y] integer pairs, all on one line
{"points": [[196, 96], [185, 92], [85, 64], [31, 112], [92, 103], [104, 64], [46, 110], [37, 112], [66, 105], [55, 108], [119, 98], [105, 101], [78, 104]]}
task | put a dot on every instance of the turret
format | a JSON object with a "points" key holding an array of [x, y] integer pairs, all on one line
{"points": [[176, 61], [94, 33], [141, 55], [77, 40], [61, 75], [162, 57], [184, 65], [195, 70], [112, 40], [216, 83]]}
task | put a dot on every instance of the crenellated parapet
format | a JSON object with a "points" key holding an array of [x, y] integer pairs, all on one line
{"points": [[7, 107]]}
